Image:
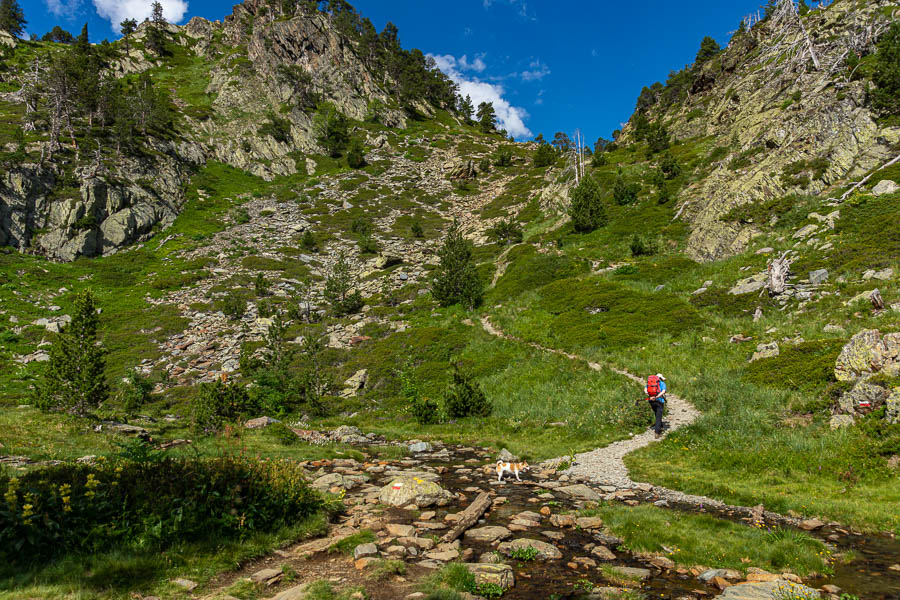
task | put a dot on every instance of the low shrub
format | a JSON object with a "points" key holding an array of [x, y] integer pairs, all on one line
{"points": [[233, 305], [643, 247], [220, 403], [465, 398], [544, 156], [506, 232], [73, 508], [808, 366]]}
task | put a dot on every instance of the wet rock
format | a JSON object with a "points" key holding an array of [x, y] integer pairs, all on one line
{"points": [[580, 491], [589, 523], [710, 574], [553, 535], [495, 574], [603, 553], [633, 573], [562, 521], [661, 562], [770, 590], [405, 491], [488, 534], [545, 551], [400, 531]]}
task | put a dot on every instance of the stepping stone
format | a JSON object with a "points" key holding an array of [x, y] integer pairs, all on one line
{"points": [[545, 551], [581, 491], [488, 534], [267, 576]]}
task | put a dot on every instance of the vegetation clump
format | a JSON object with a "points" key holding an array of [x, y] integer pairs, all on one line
{"points": [[586, 207], [75, 378], [465, 397], [456, 280]]}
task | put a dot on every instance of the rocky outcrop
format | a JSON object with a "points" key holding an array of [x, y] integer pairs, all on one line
{"points": [[774, 113], [868, 353], [102, 216]]}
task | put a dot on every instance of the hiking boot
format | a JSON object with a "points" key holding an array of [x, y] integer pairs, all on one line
{"points": [[658, 435]]}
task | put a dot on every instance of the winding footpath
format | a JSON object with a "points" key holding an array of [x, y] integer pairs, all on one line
{"points": [[605, 466]]}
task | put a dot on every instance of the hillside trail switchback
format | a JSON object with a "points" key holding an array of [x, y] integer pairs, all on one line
{"points": [[605, 466]]}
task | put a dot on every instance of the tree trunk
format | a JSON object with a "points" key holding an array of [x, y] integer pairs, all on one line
{"points": [[779, 269], [469, 517]]}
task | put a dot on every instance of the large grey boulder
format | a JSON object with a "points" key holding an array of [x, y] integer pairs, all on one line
{"points": [[863, 395], [867, 353], [408, 491], [893, 407], [749, 285], [885, 187], [488, 534]]}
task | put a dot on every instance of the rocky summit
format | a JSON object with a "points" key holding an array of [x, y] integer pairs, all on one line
{"points": [[292, 311]]}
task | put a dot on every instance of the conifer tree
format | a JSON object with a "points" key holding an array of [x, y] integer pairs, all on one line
{"points": [[12, 18], [339, 288], [466, 108], [128, 26], [487, 117], [74, 379], [456, 280], [586, 208], [156, 14], [708, 49], [886, 97]]}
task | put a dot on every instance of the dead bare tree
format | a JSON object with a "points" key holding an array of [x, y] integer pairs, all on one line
{"points": [[877, 300], [790, 38], [778, 271], [579, 153]]}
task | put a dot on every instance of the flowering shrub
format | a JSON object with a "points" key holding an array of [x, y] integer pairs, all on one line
{"points": [[79, 508]]}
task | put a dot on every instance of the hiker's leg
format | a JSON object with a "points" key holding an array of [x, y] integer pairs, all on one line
{"points": [[658, 409]]}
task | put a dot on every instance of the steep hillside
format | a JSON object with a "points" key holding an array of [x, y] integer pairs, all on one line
{"points": [[94, 168], [787, 109]]}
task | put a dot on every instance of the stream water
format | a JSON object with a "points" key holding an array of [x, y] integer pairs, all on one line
{"points": [[868, 576]]}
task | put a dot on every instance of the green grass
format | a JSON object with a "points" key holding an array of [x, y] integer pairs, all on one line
{"points": [[696, 539], [117, 574]]}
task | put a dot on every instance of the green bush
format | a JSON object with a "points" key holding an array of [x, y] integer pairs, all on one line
{"points": [[808, 366], [134, 391], [886, 96], [625, 193], [154, 504], [503, 157], [261, 285], [233, 305], [416, 229], [221, 403], [506, 232], [277, 127], [586, 206], [356, 154], [332, 129], [544, 156], [465, 398], [642, 247], [74, 378], [282, 434], [308, 241], [456, 280], [484, 165]]}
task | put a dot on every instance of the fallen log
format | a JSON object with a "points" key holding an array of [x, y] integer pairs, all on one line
{"points": [[469, 517]]}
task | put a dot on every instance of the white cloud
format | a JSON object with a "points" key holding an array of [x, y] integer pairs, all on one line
{"points": [[476, 65], [512, 118], [538, 71], [522, 6], [119, 10], [63, 8], [540, 97]]}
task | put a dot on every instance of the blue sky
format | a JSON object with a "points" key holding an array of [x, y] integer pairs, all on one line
{"points": [[547, 66]]}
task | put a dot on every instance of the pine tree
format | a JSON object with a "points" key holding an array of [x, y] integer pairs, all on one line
{"points": [[886, 97], [128, 26], [708, 49], [624, 193], [74, 379], [156, 14], [487, 117], [466, 108], [331, 129], [586, 208], [12, 18], [339, 288], [356, 154], [456, 280]]}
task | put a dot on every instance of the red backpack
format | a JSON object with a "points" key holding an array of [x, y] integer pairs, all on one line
{"points": [[653, 386]]}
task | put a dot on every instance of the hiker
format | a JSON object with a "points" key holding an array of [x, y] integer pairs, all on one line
{"points": [[656, 396]]}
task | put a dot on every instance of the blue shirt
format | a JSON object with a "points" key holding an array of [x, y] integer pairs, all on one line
{"points": [[662, 391]]}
